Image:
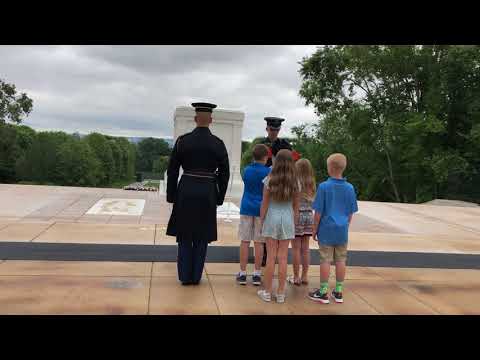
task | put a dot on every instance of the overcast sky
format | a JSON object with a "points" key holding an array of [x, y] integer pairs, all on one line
{"points": [[133, 90]]}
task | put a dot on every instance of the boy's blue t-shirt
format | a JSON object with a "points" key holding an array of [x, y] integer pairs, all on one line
{"points": [[253, 176], [335, 201]]}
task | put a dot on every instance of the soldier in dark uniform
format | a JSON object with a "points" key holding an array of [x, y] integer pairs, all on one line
{"points": [[202, 187], [275, 144]]}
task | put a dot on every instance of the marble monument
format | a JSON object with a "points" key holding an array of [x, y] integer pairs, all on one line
{"points": [[227, 125]]}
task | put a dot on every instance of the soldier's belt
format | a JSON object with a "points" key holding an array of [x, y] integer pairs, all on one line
{"points": [[200, 174]]}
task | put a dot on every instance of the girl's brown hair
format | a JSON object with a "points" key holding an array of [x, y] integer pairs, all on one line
{"points": [[306, 178], [282, 183]]}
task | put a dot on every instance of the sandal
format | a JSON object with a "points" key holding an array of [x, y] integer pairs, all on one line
{"points": [[291, 280]]}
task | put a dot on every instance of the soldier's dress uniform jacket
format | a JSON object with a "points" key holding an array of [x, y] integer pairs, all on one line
{"points": [[275, 147], [203, 185]]}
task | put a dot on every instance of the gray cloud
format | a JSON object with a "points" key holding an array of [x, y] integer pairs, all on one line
{"points": [[133, 90]]}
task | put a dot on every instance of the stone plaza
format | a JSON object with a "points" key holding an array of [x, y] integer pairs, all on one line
{"points": [[67, 250]]}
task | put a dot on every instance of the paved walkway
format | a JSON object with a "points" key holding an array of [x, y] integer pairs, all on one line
{"points": [[51, 287]]}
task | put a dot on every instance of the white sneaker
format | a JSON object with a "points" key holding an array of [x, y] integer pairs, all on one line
{"points": [[280, 298], [264, 295]]}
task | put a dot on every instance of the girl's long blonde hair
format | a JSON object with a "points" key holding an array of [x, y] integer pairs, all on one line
{"points": [[306, 178], [282, 182]]}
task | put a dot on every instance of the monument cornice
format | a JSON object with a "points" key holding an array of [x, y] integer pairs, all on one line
{"points": [[231, 115]]}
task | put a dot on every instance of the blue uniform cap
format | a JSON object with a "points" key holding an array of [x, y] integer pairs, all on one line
{"points": [[204, 107], [274, 122]]}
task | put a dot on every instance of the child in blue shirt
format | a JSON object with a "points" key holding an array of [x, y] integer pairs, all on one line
{"points": [[334, 205], [250, 226]]}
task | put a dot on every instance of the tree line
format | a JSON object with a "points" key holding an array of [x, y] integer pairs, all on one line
{"points": [[407, 117], [58, 158]]}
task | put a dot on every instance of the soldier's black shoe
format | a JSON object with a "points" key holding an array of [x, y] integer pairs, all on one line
{"points": [[256, 280], [195, 282], [186, 283], [242, 279]]}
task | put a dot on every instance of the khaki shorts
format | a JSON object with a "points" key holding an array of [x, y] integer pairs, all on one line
{"points": [[332, 253], [250, 229]]}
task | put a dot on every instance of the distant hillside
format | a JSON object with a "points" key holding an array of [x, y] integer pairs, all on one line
{"points": [[134, 139]]}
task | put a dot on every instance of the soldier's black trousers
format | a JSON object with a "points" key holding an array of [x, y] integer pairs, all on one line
{"points": [[264, 259], [190, 260]]}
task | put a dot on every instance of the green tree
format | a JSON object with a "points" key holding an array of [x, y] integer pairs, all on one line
{"points": [[245, 146], [149, 150], [117, 159], [77, 164], [9, 152], [123, 156], [14, 107], [39, 161], [160, 165], [404, 115], [100, 146], [128, 152], [25, 137], [131, 161]]}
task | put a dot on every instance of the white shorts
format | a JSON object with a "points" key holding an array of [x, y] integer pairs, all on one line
{"points": [[250, 229]]}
